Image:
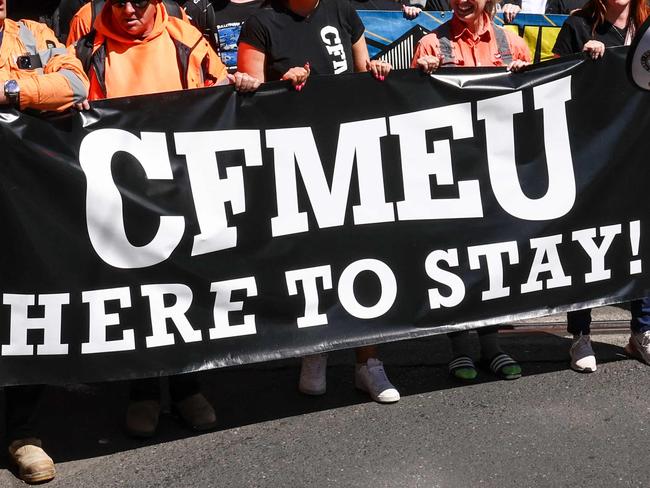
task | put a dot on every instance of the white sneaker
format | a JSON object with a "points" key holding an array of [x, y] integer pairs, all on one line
{"points": [[639, 346], [582, 355], [371, 378], [313, 380]]}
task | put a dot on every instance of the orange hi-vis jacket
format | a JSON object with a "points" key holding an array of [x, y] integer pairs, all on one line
{"points": [[174, 56], [51, 78], [469, 49], [80, 25]]}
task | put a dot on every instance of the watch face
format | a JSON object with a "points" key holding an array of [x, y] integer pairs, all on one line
{"points": [[11, 87]]}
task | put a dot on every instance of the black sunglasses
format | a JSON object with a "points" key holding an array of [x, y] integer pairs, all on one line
{"points": [[135, 3]]}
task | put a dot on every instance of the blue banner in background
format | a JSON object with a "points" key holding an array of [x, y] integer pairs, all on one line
{"points": [[392, 37]]}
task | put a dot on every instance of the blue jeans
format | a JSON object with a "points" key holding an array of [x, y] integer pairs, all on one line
{"points": [[579, 322]]}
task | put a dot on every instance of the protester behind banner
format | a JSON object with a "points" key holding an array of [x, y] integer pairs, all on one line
{"points": [[454, 44], [601, 24], [170, 54], [39, 74], [288, 42]]}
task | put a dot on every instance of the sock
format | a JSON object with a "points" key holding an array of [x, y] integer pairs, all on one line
{"points": [[489, 344], [460, 343]]}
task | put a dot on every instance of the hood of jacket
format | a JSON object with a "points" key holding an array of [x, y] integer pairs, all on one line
{"points": [[106, 25]]}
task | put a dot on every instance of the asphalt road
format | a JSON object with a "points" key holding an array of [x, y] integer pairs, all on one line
{"points": [[551, 428]]}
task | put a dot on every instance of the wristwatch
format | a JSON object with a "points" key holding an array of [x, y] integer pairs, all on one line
{"points": [[12, 92]]}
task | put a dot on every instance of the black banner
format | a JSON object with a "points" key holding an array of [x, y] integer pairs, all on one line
{"points": [[192, 230]]}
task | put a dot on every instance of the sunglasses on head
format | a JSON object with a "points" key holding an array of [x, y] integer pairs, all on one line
{"points": [[135, 3]]}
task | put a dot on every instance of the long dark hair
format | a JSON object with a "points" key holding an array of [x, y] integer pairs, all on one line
{"points": [[595, 11]]}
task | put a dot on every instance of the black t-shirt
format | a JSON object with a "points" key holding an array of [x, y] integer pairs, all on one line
{"points": [[324, 38], [576, 31]]}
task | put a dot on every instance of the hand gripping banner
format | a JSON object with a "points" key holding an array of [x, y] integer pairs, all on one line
{"points": [[191, 230]]}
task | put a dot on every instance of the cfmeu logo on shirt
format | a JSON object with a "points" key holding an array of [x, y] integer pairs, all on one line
{"points": [[638, 59], [332, 40]]}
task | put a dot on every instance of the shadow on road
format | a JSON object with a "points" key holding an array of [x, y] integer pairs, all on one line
{"points": [[85, 421]]}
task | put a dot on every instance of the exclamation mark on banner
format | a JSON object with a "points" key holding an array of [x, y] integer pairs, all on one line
{"points": [[635, 236]]}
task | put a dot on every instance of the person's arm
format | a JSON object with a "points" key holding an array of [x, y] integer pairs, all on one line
{"points": [[251, 60], [427, 54], [63, 82], [360, 58], [362, 62], [216, 70], [520, 53]]}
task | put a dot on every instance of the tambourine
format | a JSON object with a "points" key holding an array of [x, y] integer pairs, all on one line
{"points": [[638, 58]]}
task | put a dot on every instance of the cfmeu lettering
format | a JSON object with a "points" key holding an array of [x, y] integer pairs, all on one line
{"points": [[295, 151]]}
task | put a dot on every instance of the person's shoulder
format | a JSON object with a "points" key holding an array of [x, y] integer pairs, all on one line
{"points": [[443, 30], [578, 20], [512, 37], [183, 31], [268, 13], [40, 30], [430, 40], [85, 12]]}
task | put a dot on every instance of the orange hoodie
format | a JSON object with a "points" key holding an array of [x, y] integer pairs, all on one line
{"points": [[150, 65]]}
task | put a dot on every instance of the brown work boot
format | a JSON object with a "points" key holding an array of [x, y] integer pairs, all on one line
{"points": [[196, 412], [34, 465], [142, 418]]}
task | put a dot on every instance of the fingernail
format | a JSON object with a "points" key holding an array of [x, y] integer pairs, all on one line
{"points": [[382, 78]]}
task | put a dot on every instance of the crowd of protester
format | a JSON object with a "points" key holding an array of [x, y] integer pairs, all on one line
{"points": [[121, 48]]}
